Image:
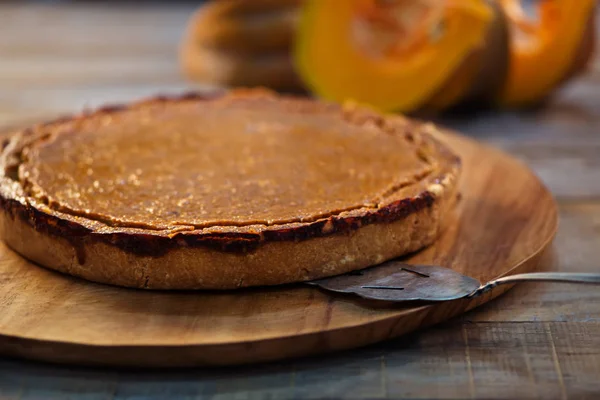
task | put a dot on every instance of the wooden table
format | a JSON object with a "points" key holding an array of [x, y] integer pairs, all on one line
{"points": [[538, 341]]}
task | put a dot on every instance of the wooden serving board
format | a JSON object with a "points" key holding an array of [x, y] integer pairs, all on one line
{"points": [[507, 219]]}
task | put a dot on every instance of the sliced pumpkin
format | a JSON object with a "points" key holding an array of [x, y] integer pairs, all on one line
{"points": [[390, 54], [547, 51], [482, 73]]}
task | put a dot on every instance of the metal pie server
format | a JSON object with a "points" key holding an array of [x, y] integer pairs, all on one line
{"points": [[396, 281]]}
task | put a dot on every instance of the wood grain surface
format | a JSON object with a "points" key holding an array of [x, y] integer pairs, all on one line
{"points": [[506, 221], [534, 342]]}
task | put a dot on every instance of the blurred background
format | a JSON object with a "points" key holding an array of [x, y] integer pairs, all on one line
{"points": [[62, 56]]}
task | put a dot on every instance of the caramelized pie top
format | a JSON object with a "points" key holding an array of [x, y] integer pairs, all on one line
{"points": [[233, 161]]}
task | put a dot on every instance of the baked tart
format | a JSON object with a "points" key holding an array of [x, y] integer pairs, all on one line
{"points": [[223, 191]]}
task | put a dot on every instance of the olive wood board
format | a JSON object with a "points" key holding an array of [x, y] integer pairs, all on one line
{"points": [[506, 220]]}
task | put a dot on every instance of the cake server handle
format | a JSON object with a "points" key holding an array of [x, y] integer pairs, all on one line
{"points": [[564, 277]]}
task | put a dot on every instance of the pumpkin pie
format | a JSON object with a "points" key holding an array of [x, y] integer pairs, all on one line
{"points": [[222, 191]]}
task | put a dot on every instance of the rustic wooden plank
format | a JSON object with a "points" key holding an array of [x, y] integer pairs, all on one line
{"points": [[507, 360], [344, 375], [58, 45], [512, 361], [68, 71], [578, 355], [571, 116], [160, 388], [121, 24], [432, 365], [10, 390], [33, 105], [51, 102], [571, 171], [32, 382]]}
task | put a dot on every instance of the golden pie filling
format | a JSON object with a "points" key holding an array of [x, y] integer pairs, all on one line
{"points": [[230, 162]]}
